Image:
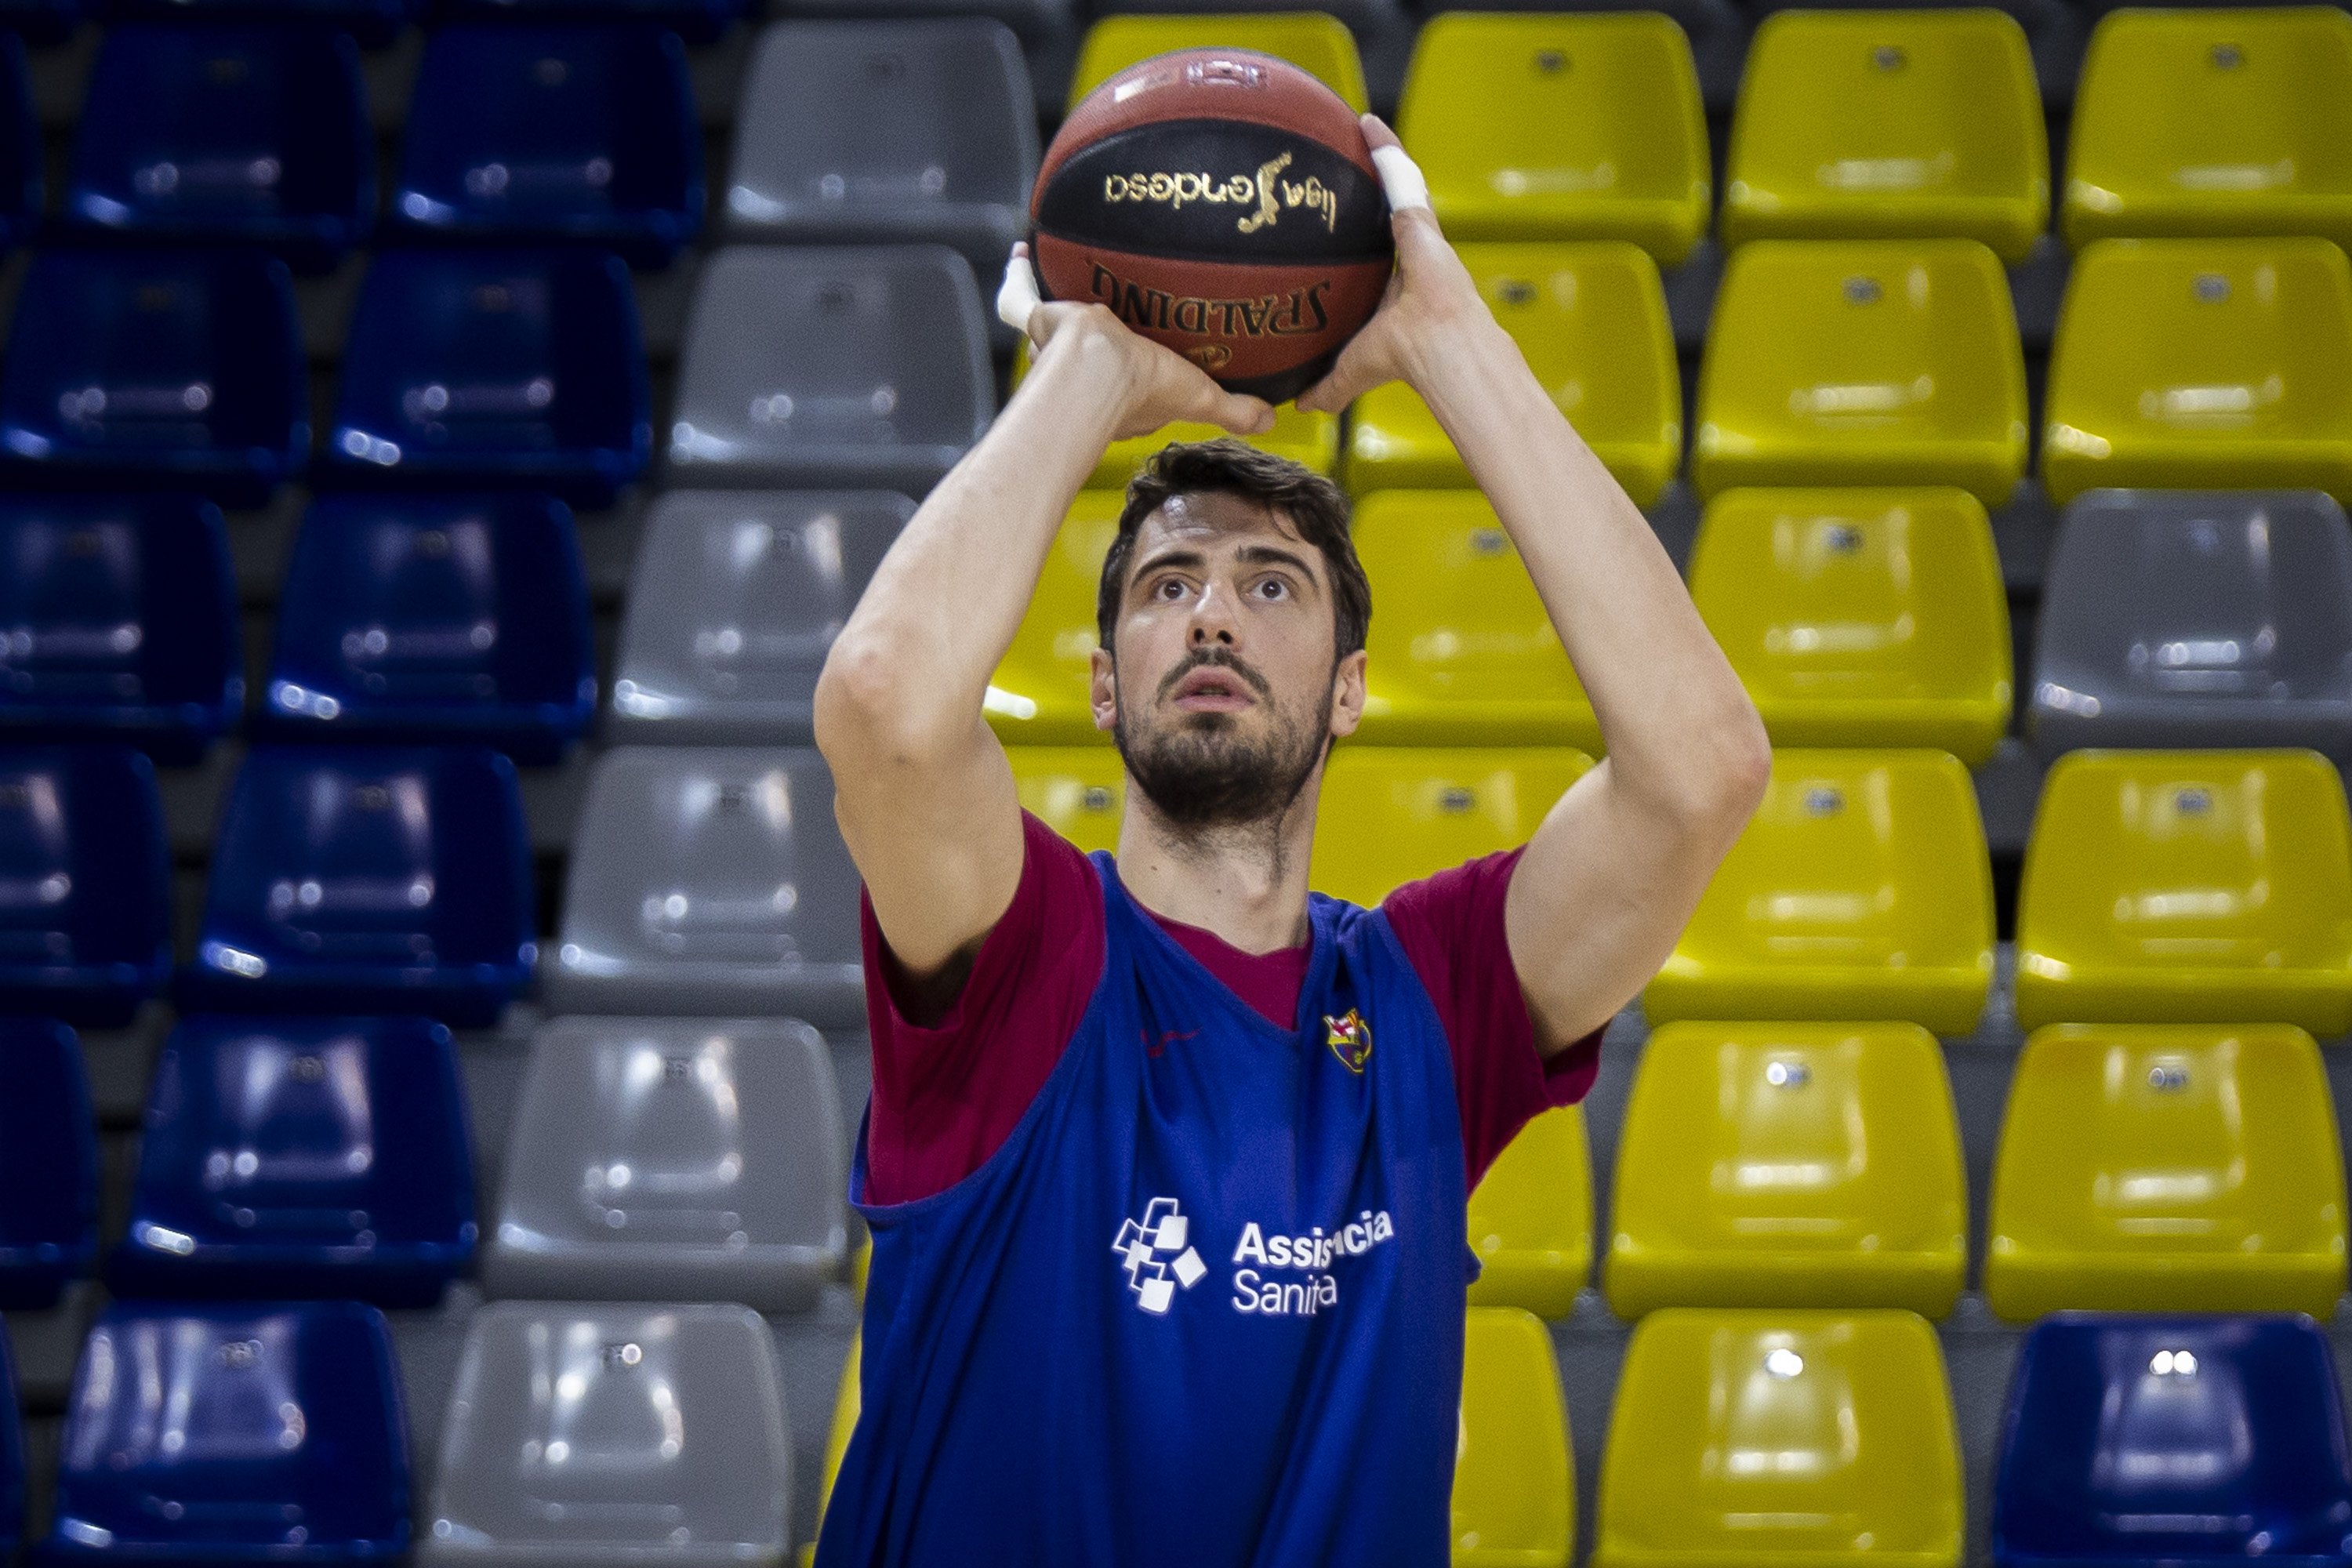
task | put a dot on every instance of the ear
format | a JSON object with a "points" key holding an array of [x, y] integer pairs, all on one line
{"points": [[1348, 695], [1103, 695]]}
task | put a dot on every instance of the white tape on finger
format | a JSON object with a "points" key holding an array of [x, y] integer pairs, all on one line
{"points": [[1018, 298], [1402, 178]]}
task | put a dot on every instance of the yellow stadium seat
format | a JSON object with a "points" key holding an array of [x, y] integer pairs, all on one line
{"points": [[1592, 320], [1390, 813], [1861, 889], [1531, 1218], [836, 1442], [1311, 440], [2202, 364], [1781, 1440], [1789, 1165], [1559, 127], [1514, 1478], [1863, 363], [1870, 124], [1318, 44], [1462, 651], [2167, 1168], [1043, 692], [1861, 617], [2187, 886], [1079, 792], [2235, 120]]}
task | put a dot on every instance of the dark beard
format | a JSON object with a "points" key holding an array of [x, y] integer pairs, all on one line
{"points": [[1202, 776]]}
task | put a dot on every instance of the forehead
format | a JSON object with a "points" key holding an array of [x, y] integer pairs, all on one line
{"points": [[1217, 523]]}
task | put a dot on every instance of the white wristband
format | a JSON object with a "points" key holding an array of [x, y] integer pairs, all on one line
{"points": [[1018, 297], [1400, 177]]}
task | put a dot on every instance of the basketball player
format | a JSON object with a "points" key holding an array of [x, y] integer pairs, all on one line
{"points": [[1166, 1159]]}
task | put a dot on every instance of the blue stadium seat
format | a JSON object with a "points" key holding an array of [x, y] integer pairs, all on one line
{"points": [[695, 21], [156, 368], [435, 619], [117, 622], [12, 1454], [84, 893], [20, 134], [313, 1157], [240, 134], [497, 368], [48, 1168], [373, 23], [360, 879], [553, 133], [2134, 1441], [247, 1433]]}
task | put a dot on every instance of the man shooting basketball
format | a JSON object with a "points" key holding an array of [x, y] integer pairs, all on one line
{"points": [[1167, 1161]]}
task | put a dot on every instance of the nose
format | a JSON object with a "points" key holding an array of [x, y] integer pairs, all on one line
{"points": [[1213, 618]]}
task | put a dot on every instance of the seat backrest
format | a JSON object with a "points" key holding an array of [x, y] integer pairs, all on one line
{"points": [[1316, 42], [48, 1161], [1042, 691], [84, 876], [1514, 1477], [1079, 792], [1391, 813]]}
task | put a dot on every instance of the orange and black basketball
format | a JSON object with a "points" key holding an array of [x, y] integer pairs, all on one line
{"points": [[1224, 204]]}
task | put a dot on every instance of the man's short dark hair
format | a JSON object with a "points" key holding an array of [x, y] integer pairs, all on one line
{"points": [[1313, 504]]}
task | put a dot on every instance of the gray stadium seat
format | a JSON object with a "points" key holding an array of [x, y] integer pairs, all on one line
{"points": [[709, 881], [2196, 618], [672, 1160], [735, 598], [815, 368], [887, 132], [582, 1437]]}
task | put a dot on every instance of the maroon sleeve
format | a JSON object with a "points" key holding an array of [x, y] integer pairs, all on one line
{"points": [[1451, 927], [947, 1096]]}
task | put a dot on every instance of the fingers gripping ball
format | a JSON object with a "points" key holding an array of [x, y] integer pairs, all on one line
{"points": [[1224, 204]]}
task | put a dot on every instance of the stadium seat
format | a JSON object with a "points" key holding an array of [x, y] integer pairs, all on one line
{"points": [[1556, 126], [611, 1436], [845, 1403], [882, 133], [2154, 1167], [2202, 364], [2228, 121], [241, 1433], [710, 881], [315, 1157], [1514, 1478], [1531, 1218], [672, 1160], [1316, 42], [1861, 617], [2196, 619], [2183, 1440], [1789, 1165], [495, 367], [735, 599], [554, 133], [48, 1165], [178, 369], [117, 622], [435, 620], [373, 23], [1042, 693], [1904, 123], [12, 1454], [20, 136], [366, 879], [2187, 886], [1787, 1436], [1079, 792], [1863, 363], [1861, 890], [85, 891], [228, 134], [1462, 651], [1309, 439], [1591, 321], [1390, 813], [695, 21], [818, 368]]}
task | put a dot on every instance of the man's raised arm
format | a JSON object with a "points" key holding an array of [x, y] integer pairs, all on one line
{"points": [[1613, 873], [922, 790]]}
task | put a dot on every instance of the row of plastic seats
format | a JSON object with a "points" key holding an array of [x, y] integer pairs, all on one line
{"points": [[648, 1159], [268, 1432]]}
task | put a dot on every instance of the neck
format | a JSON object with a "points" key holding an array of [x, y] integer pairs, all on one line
{"points": [[1245, 882]]}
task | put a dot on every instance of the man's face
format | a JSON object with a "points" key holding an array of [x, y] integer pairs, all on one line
{"points": [[1223, 689]]}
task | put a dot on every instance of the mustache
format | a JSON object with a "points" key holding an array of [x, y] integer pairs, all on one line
{"points": [[1220, 658]]}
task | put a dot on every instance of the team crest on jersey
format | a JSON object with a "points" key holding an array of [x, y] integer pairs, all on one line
{"points": [[1350, 1039]]}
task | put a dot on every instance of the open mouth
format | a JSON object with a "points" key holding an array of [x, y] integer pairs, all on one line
{"points": [[1212, 688]]}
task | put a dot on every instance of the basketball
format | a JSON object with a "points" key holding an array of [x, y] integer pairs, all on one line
{"points": [[1223, 204]]}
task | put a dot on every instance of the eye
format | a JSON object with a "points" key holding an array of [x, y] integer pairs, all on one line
{"points": [[1168, 590], [1272, 589]]}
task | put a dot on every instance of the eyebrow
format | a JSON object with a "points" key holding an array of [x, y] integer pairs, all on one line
{"points": [[1250, 554]]}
